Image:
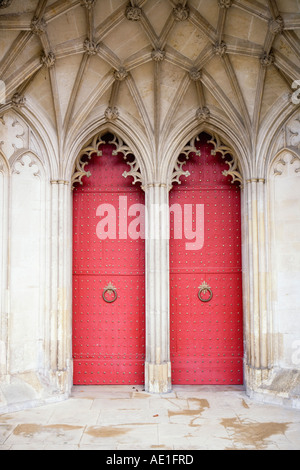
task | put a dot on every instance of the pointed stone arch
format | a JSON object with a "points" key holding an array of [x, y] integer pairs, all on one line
{"points": [[225, 150], [125, 138], [93, 148]]}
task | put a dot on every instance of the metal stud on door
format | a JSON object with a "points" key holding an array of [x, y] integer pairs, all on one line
{"points": [[108, 277], [206, 283]]}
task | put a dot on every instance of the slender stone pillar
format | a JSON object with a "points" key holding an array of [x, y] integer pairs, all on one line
{"points": [[257, 327], [60, 295], [157, 366], [4, 272]]}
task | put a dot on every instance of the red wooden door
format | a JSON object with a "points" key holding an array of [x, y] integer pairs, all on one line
{"points": [[206, 336], [108, 326]]}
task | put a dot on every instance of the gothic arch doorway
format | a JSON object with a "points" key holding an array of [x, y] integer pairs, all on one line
{"points": [[108, 268], [206, 304]]}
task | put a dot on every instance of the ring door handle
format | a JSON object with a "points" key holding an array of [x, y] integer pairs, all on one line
{"points": [[110, 288], [203, 289]]}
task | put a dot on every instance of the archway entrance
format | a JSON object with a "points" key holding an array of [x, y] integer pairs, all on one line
{"points": [[108, 272], [206, 273]]}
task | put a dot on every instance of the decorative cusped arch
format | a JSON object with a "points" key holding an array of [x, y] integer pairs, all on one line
{"points": [[278, 163], [35, 161], [42, 141], [224, 140], [93, 148], [125, 138], [274, 135]]}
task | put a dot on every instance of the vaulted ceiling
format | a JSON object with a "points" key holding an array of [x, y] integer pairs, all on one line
{"points": [[151, 63]]}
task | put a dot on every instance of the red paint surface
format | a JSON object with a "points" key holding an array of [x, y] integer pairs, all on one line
{"points": [[108, 338], [207, 338]]}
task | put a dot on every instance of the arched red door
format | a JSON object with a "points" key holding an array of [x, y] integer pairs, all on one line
{"points": [[206, 273], [108, 275]]}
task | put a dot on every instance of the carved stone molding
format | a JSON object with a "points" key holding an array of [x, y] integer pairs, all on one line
{"points": [[26, 161], [296, 159], [18, 101], [181, 12], [91, 47], [112, 113], [178, 171], [121, 74], [134, 171], [181, 160], [88, 4], [93, 149], [282, 163], [133, 13], [220, 48], [219, 147], [276, 26], [13, 134], [48, 60], [278, 170], [225, 3], [38, 26], [230, 160], [158, 55], [195, 74], [5, 3], [267, 59], [293, 132], [83, 159], [203, 114]]}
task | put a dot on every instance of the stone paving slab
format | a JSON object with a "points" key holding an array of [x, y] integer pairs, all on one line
{"points": [[127, 418]]}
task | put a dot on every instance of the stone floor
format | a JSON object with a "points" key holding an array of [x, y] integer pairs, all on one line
{"points": [[126, 418]]}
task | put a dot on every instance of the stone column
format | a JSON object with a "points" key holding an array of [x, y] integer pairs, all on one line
{"points": [[4, 272], [257, 327], [60, 341], [157, 365]]}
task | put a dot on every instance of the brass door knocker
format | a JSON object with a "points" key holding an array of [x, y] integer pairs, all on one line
{"points": [[203, 289], [110, 288]]}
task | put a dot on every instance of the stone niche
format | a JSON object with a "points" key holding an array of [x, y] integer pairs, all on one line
{"points": [[284, 266], [25, 314]]}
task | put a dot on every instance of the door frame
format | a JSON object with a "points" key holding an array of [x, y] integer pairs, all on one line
{"points": [[157, 183]]}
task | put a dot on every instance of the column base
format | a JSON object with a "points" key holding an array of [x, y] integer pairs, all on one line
{"points": [[158, 377]]}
